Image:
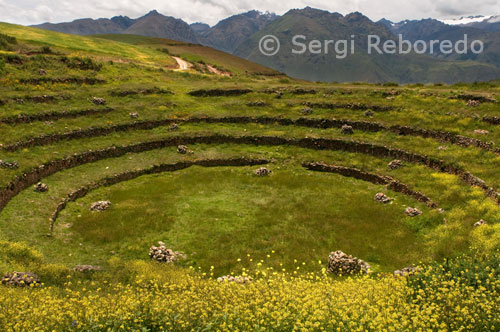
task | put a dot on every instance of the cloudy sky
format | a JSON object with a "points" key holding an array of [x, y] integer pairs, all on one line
{"points": [[211, 11]]}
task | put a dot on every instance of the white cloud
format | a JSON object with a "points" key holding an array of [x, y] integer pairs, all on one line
{"points": [[211, 11]]}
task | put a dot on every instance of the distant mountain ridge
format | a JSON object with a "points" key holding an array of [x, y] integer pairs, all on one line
{"points": [[240, 34]]}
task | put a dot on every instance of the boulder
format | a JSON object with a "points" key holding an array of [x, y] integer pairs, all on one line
{"points": [[412, 212], [480, 223], [21, 279], [382, 198], [473, 103], [162, 254], [262, 171], [100, 206], [395, 164], [40, 187], [347, 130], [341, 263]]}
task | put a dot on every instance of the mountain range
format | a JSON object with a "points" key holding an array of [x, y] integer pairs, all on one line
{"points": [[240, 35]]}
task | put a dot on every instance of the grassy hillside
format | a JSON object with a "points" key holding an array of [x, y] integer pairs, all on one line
{"points": [[178, 153]]}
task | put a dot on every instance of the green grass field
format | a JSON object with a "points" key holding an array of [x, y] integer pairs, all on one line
{"points": [[225, 219]]}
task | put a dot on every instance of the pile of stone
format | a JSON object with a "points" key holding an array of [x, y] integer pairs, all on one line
{"points": [[382, 198], [100, 206], [134, 115], [238, 279], [395, 164], [481, 132], [262, 171], [347, 130], [341, 263], [42, 72], [369, 113], [87, 268], [407, 271], [8, 164], [306, 111], [40, 187], [162, 254], [258, 103], [480, 223], [473, 103], [173, 127], [98, 101], [412, 212], [21, 279], [182, 149]]}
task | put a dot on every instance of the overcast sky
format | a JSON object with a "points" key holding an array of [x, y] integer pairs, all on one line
{"points": [[211, 11]]}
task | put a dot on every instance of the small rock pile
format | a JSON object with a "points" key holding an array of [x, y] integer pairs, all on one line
{"points": [[40, 187], [160, 253], [238, 280], [173, 127], [382, 198], [87, 268], [369, 113], [98, 101], [347, 130], [481, 132], [473, 103], [262, 171], [8, 164], [42, 72], [306, 111], [100, 206], [182, 149], [395, 164], [407, 271], [480, 223], [412, 212], [21, 279], [341, 263], [134, 115], [258, 103]]}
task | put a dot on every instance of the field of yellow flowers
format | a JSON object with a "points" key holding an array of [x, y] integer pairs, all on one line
{"points": [[462, 295]]}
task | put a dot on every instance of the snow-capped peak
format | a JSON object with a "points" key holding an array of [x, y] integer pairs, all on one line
{"points": [[470, 19]]}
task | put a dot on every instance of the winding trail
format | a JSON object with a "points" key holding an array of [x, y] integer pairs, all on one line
{"points": [[183, 64]]}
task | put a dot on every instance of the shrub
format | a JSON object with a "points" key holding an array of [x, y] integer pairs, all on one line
{"points": [[81, 63], [20, 253], [6, 40], [2, 67], [46, 50]]}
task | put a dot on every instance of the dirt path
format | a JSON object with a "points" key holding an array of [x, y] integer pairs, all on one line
{"points": [[183, 65]]}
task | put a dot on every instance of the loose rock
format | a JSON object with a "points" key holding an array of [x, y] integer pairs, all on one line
{"points": [[42, 72], [306, 111], [100, 206], [87, 268], [182, 149], [40, 187], [382, 198], [480, 223], [238, 280], [262, 171], [98, 101], [347, 130], [407, 271], [412, 212], [173, 127], [481, 132], [473, 103], [8, 164], [134, 115], [161, 254], [395, 164], [21, 279], [341, 263]]}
